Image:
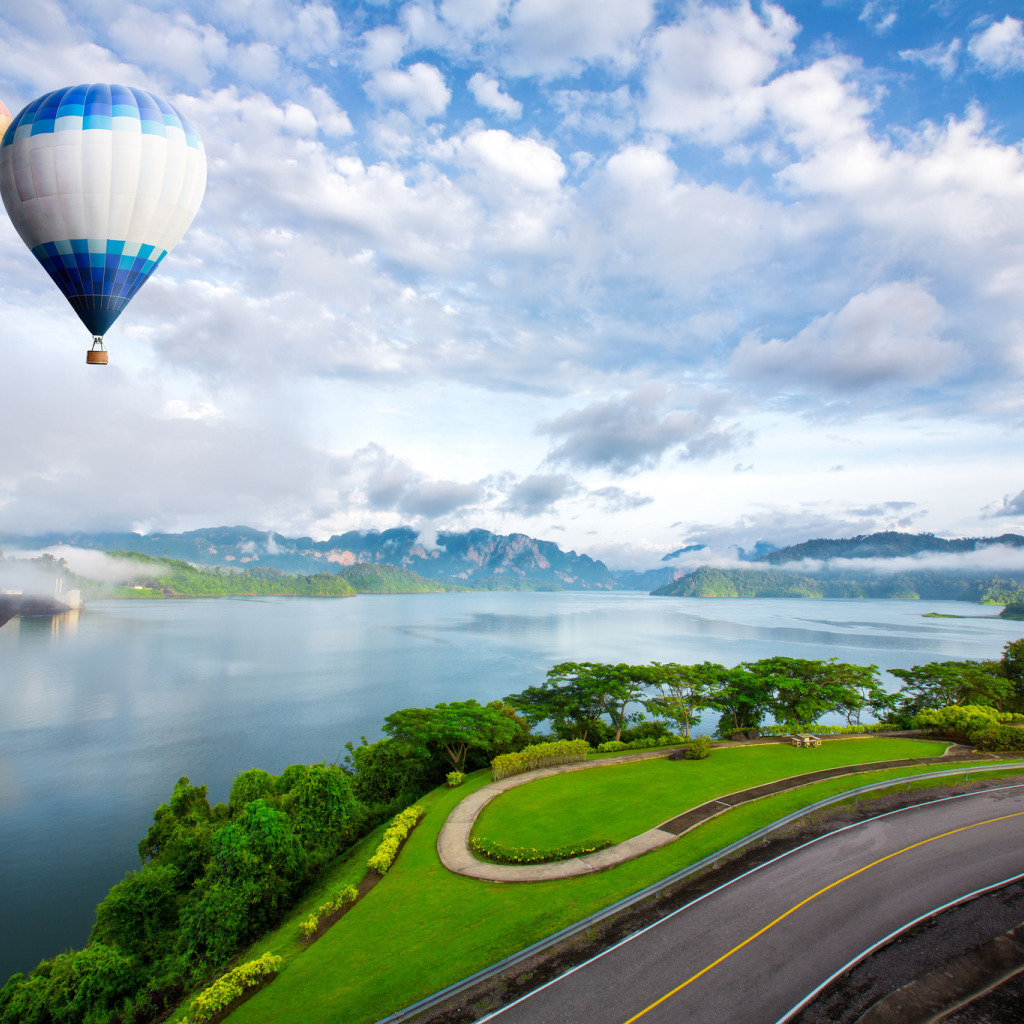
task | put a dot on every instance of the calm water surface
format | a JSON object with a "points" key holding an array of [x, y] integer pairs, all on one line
{"points": [[100, 714]]}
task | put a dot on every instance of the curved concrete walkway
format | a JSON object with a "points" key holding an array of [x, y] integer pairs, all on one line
{"points": [[453, 839]]}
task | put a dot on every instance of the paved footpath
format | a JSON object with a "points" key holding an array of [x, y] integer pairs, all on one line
{"points": [[453, 840]]}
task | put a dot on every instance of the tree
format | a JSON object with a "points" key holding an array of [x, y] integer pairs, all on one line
{"points": [[1011, 667], [388, 769], [182, 832], [456, 728], [573, 710], [684, 691], [321, 807], [612, 688], [942, 683], [743, 697], [803, 690], [140, 914]]}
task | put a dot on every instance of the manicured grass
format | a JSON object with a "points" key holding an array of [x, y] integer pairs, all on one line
{"points": [[619, 801], [423, 928]]}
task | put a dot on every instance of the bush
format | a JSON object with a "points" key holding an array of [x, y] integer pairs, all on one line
{"points": [[540, 755], [829, 730], [645, 743], [490, 850], [393, 839], [332, 906], [225, 990], [697, 749], [962, 721], [455, 779], [999, 738]]}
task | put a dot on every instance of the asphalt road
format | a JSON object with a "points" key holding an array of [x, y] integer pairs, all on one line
{"points": [[752, 950]]}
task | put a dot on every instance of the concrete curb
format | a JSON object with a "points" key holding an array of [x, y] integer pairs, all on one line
{"points": [[453, 839]]}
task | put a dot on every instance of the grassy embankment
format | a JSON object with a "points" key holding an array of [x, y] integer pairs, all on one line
{"points": [[423, 928]]}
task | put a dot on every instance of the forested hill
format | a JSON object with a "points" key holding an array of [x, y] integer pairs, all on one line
{"points": [[886, 545], [983, 588]]}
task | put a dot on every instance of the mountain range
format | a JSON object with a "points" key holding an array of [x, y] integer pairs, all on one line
{"points": [[474, 558], [479, 558]]}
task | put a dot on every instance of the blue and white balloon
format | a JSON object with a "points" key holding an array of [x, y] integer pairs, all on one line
{"points": [[101, 181]]}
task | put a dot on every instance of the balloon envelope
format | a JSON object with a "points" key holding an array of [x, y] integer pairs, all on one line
{"points": [[5, 117], [101, 181]]}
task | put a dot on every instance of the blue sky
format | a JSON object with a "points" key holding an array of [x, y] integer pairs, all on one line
{"points": [[622, 275]]}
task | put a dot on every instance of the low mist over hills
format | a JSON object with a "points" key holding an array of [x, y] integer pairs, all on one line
{"points": [[900, 565], [476, 558]]}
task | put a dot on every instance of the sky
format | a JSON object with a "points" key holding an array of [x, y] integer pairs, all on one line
{"points": [[623, 275]]}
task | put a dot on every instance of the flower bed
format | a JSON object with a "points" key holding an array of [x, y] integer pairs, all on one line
{"points": [[500, 854]]}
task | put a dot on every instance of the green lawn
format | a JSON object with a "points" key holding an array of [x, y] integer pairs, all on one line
{"points": [[423, 928], [619, 801]]}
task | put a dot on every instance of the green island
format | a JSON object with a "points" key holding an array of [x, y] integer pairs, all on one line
{"points": [[275, 885]]}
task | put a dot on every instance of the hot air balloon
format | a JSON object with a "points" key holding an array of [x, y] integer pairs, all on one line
{"points": [[5, 117], [101, 182]]}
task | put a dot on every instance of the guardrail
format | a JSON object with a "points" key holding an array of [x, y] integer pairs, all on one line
{"points": [[710, 861]]}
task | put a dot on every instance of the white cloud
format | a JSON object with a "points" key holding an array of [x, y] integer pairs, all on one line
{"points": [[171, 41], [1000, 48], [524, 162], [706, 75], [473, 15], [944, 59], [552, 37], [383, 47], [421, 90], [487, 92], [890, 335]]}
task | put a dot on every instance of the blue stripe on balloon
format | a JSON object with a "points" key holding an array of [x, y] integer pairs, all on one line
{"points": [[96, 278], [93, 107]]}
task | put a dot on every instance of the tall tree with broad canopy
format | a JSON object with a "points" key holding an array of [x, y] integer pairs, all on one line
{"points": [[456, 728], [684, 691], [1011, 666], [744, 698], [612, 688], [803, 690], [942, 683], [571, 708]]}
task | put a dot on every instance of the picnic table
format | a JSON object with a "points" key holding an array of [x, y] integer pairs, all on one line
{"points": [[804, 739]]}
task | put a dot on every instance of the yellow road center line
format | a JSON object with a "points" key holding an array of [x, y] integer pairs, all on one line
{"points": [[804, 902]]}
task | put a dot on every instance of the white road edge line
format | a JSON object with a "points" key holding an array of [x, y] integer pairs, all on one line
{"points": [[767, 863], [888, 938]]}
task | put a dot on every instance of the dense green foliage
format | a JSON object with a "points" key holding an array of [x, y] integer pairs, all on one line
{"points": [[212, 879], [455, 728], [925, 584], [375, 578]]}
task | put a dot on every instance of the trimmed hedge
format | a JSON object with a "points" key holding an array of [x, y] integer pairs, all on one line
{"points": [[540, 755], [401, 826], [347, 895], [226, 989], [999, 738], [647, 743], [500, 854], [826, 730]]}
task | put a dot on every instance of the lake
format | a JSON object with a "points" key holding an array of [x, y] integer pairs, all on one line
{"points": [[102, 711]]}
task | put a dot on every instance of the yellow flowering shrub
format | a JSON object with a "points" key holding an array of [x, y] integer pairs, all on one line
{"points": [[540, 755], [226, 989], [347, 895], [401, 826]]}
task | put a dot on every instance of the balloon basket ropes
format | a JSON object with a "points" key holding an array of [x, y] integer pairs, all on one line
{"points": [[97, 354]]}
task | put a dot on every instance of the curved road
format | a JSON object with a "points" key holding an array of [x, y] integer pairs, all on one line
{"points": [[752, 950]]}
